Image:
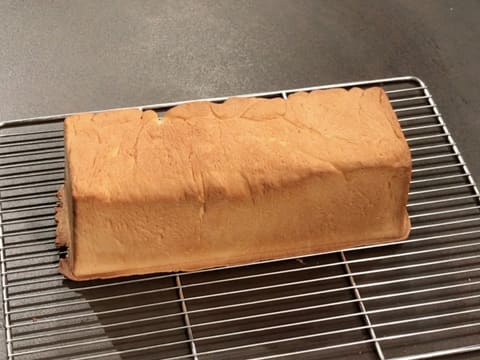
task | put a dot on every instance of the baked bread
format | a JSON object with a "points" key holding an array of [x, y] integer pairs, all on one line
{"points": [[212, 184]]}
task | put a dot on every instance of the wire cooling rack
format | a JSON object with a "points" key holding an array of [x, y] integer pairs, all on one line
{"points": [[416, 299]]}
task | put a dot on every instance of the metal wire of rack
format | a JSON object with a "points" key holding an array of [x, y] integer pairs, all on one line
{"points": [[415, 299]]}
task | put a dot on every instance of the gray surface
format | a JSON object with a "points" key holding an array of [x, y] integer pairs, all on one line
{"points": [[79, 56], [61, 57]]}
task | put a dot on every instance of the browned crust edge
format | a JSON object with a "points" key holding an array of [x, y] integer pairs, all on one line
{"points": [[60, 219], [61, 239]]}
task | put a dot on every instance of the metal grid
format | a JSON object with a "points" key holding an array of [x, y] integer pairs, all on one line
{"points": [[411, 300]]}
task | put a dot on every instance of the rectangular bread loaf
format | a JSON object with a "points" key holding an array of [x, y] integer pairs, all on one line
{"points": [[212, 184]]}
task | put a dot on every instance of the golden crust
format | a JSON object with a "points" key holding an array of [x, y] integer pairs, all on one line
{"points": [[221, 184]]}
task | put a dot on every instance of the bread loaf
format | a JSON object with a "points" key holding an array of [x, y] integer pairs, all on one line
{"points": [[212, 184]]}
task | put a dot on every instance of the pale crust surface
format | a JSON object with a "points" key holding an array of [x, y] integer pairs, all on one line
{"points": [[220, 184]]}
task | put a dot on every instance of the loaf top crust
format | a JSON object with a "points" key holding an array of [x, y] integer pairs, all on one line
{"points": [[232, 150]]}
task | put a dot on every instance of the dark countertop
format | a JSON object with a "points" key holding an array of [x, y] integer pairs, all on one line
{"points": [[89, 55], [61, 57]]}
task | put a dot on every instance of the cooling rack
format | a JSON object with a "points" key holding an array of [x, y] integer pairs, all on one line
{"points": [[416, 299]]}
